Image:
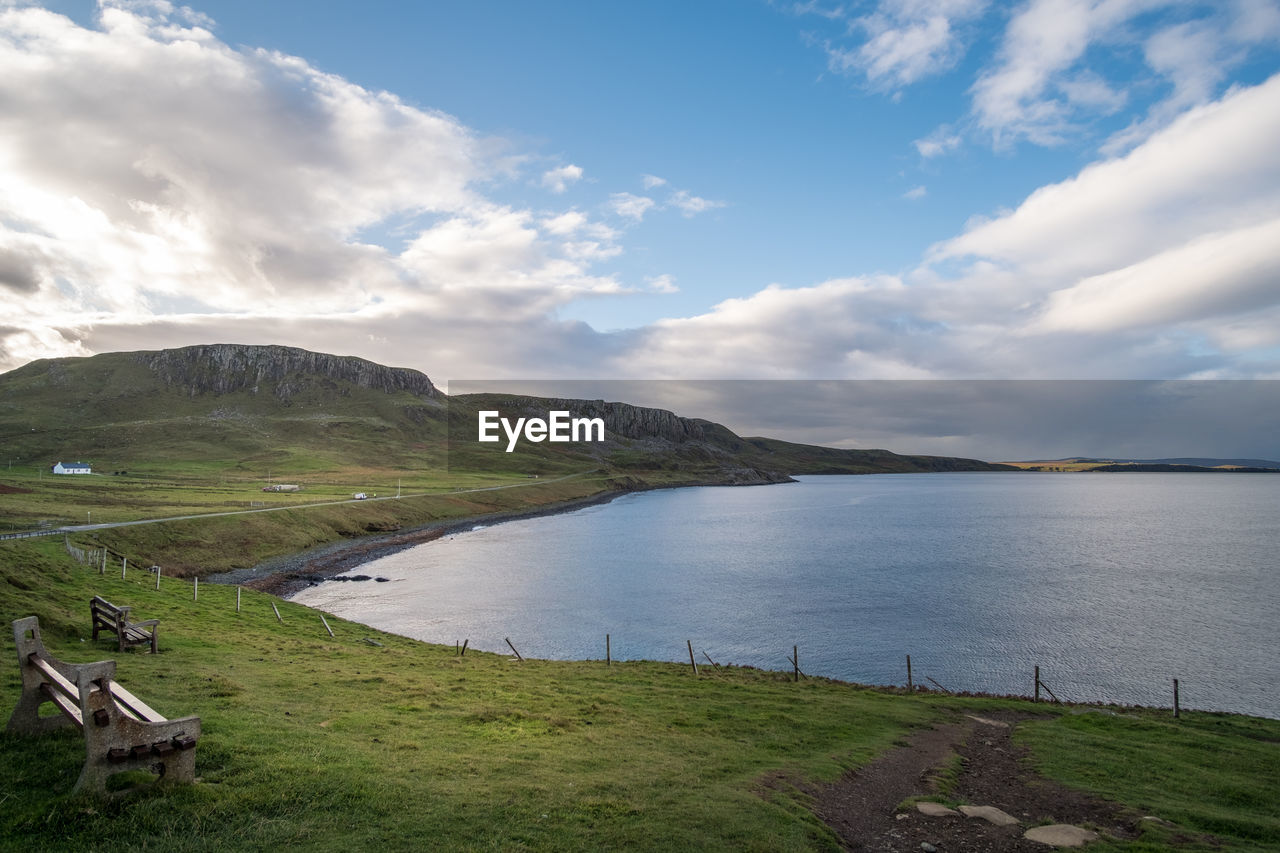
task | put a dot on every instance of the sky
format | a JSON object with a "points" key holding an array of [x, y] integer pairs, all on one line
{"points": [[724, 189]]}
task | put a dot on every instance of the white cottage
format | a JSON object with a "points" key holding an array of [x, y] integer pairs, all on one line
{"points": [[72, 468]]}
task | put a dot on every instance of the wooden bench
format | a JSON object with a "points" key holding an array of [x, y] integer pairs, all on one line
{"points": [[121, 732], [116, 619]]}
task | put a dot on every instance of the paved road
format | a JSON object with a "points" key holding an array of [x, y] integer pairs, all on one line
{"points": [[79, 528]]}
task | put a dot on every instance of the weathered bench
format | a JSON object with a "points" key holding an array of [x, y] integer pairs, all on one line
{"points": [[121, 732], [116, 619]]}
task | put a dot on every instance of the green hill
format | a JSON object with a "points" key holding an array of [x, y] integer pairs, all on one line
{"points": [[205, 429], [238, 410], [221, 408]]}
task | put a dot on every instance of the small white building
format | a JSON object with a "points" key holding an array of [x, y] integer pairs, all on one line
{"points": [[72, 468]]}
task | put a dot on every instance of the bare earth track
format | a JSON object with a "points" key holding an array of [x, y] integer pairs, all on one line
{"points": [[862, 807]]}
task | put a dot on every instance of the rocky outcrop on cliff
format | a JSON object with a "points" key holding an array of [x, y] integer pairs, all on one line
{"points": [[628, 421], [227, 368]]}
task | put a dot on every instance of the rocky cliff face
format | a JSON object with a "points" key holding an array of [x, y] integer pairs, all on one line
{"points": [[226, 368], [634, 421]]}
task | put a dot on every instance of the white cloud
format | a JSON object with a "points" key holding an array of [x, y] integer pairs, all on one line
{"points": [[692, 205], [558, 180], [915, 193], [905, 42], [1215, 168], [941, 141], [1230, 273], [663, 284], [630, 206], [1088, 90], [1159, 263], [651, 181], [1047, 83], [150, 172]]}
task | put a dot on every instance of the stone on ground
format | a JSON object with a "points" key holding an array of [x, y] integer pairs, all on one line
{"points": [[1061, 835], [935, 810], [991, 814]]}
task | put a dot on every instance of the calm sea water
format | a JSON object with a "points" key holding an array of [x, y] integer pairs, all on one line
{"points": [[1114, 584]]}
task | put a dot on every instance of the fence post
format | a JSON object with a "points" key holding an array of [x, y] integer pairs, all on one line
{"points": [[1177, 711], [693, 663], [277, 610], [195, 589], [795, 662], [157, 577], [325, 622], [1037, 697], [237, 596], [123, 565], [608, 652], [513, 648], [910, 687]]}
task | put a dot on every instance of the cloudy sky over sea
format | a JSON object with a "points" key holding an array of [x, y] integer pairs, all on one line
{"points": [[712, 189]]}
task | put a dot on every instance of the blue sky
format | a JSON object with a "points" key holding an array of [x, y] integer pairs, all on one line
{"points": [[955, 189]]}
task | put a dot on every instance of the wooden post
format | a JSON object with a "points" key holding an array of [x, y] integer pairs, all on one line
{"points": [[1177, 710], [693, 663], [911, 687], [608, 652], [124, 563], [513, 648], [157, 577], [123, 566], [1037, 697], [795, 661], [464, 646], [277, 610], [195, 589], [237, 592], [325, 622]]}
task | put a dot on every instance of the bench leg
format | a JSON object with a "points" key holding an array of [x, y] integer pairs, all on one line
{"points": [[26, 718], [148, 746]]}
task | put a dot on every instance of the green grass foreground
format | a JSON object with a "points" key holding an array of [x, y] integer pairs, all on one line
{"points": [[318, 743]]}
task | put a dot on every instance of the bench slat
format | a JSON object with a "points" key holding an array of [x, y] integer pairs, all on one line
{"points": [[56, 678], [71, 709], [134, 706]]}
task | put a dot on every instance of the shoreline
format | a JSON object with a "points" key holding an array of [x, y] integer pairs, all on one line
{"points": [[289, 574]]}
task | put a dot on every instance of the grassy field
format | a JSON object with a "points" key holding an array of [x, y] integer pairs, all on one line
{"points": [[323, 743], [231, 532]]}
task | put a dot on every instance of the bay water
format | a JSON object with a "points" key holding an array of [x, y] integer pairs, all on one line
{"points": [[1114, 584]]}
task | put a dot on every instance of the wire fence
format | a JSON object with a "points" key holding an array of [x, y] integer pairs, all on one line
{"points": [[1058, 688]]}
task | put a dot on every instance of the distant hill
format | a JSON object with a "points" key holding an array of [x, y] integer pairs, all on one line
{"points": [[1106, 463], [1203, 462], [233, 407], [1155, 467]]}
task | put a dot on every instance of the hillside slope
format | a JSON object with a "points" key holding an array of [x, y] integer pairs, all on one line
{"points": [[252, 409]]}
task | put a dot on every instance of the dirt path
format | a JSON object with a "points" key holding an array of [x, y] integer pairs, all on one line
{"points": [[863, 809]]}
